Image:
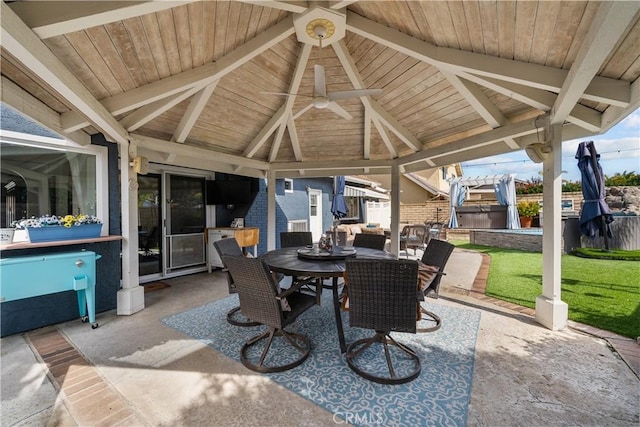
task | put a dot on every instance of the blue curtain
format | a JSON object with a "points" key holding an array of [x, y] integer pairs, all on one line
{"points": [[506, 195], [457, 194]]}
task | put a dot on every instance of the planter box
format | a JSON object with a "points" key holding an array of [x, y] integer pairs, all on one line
{"points": [[50, 234]]}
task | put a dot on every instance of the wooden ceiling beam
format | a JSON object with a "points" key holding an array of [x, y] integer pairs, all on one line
{"points": [[367, 134], [340, 4], [194, 110], [265, 132], [358, 83], [23, 102], [149, 112], [203, 75], [611, 91], [289, 6], [26, 47], [474, 143], [541, 99], [55, 18], [477, 99], [612, 21], [385, 138], [294, 86], [169, 147]]}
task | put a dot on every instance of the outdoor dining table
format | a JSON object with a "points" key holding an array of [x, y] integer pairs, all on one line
{"points": [[301, 261]]}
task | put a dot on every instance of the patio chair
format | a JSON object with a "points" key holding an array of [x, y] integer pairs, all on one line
{"points": [[261, 299], [435, 230], [430, 272], [230, 247], [383, 297], [362, 240], [371, 241], [291, 239], [413, 237]]}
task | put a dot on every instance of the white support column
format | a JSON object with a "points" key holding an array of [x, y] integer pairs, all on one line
{"points": [[551, 311], [271, 210], [131, 296], [395, 210]]}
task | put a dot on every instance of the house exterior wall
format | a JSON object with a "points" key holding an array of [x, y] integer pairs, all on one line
{"points": [[289, 207]]}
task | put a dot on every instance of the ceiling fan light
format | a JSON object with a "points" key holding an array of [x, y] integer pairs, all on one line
{"points": [[320, 102]]}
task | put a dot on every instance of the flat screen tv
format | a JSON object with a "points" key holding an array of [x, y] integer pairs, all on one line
{"points": [[221, 192]]}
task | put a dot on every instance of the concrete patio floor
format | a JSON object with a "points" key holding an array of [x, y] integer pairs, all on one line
{"points": [[133, 370]]}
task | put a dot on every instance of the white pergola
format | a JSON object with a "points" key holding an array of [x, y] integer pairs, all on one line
{"points": [[182, 83]]}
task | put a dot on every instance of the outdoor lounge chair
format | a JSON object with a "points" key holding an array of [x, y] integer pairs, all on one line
{"points": [[230, 246], [262, 300], [430, 272], [383, 297]]}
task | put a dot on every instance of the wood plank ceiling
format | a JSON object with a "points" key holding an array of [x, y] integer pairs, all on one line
{"points": [[184, 81]]}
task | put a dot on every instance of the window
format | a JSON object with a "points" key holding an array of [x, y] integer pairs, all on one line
{"points": [[444, 173], [49, 176], [352, 207], [288, 185]]}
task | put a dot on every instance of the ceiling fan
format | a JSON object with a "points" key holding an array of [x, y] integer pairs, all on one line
{"points": [[321, 98]]}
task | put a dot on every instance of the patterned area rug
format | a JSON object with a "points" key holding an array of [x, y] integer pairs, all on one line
{"points": [[439, 396]]}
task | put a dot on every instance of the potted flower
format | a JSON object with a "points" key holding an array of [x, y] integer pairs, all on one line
{"points": [[527, 210], [52, 227]]}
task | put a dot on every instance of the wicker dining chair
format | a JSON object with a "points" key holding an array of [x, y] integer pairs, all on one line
{"points": [[261, 299], [383, 297], [413, 237], [361, 240], [292, 239], [430, 272], [231, 247], [371, 241]]}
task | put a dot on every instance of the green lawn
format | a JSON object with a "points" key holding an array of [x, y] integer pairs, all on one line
{"points": [[601, 293]]}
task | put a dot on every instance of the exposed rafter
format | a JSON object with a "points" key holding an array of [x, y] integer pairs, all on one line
{"points": [[24, 45], [358, 83], [54, 18], [456, 61], [289, 6], [200, 76], [194, 110], [612, 21]]}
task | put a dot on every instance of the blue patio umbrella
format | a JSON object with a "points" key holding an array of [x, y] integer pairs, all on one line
{"points": [[338, 205], [595, 215]]}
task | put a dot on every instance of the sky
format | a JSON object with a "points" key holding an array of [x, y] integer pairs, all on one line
{"points": [[619, 150]]}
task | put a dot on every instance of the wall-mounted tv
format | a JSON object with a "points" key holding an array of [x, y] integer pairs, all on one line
{"points": [[232, 192]]}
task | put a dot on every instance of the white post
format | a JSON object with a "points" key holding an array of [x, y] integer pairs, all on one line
{"points": [[551, 311], [271, 210], [395, 210], [131, 296]]}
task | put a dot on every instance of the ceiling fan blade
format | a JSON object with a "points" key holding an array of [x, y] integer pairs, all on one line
{"points": [[339, 110], [320, 89], [333, 96]]}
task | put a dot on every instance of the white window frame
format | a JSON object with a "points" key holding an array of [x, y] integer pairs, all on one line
{"points": [[102, 166], [290, 181]]}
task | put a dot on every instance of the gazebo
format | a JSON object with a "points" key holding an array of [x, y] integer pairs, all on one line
{"points": [[258, 88]]}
